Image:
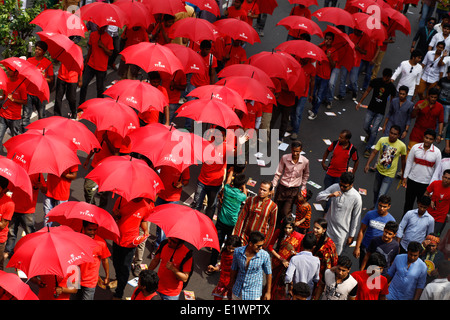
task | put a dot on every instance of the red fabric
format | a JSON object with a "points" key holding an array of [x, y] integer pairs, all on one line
{"points": [[254, 111], [114, 138], [67, 76], [47, 292], [90, 270], [426, 119], [58, 188], [169, 177], [198, 79], [441, 198], [323, 68], [152, 116], [160, 38], [340, 159], [239, 14], [140, 295], [134, 37], [212, 174], [22, 203], [13, 110], [237, 55], [179, 78], [44, 65], [98, 59], [301, 12], [310, 71], [370, 288], [6, 213], [250, 7]]}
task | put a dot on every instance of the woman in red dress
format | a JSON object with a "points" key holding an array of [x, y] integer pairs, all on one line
{"points": [[325, 249]]}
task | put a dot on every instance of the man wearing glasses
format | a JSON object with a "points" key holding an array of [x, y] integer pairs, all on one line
{"points": [[410, 72], [344, 211]]}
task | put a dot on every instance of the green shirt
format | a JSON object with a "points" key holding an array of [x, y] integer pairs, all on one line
{"points": [[231, 205], [388, 156]]}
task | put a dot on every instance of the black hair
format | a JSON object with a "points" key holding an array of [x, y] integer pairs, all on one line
{"points": [[348, 134], [309, 241], [269, 183], [414, 246], [88, 223], [205, 44], [396, 127], [42, 45], [256, 236], [4, 182], [305, 36], [149, 279], [345, 262], [296, 144], [384, 198], [443, 268], [391, 226], [416, 53], [425, 200], [440, 43], [433, 91], [446, 171], [239, 180], [301, 289], [329, 34], [377, 259], [430, 132], [347, 178], [153, 75], [324, 224], [403, 88], [387, 72]]}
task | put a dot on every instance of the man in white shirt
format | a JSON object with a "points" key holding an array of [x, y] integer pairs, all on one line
{"points": [[441, 36], [433, 69], [410, 72], [438, 289]]}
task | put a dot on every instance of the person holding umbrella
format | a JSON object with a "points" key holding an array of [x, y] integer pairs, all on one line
{"points": [[6, 212]]}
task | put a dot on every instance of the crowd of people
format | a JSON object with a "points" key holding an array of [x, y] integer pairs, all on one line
{"points": [[270, 233]]}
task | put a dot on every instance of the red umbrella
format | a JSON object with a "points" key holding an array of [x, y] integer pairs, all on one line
{"points": [[335, 15], [109, 114], [237, 30], [194, 29], [303, 49], [191, 60], [249, 88], [210, 111], [42, 153], [16, 175], [400, 21], [3, 79], [51, 251], [167, 146], [207, 5], [247, 70], [137, 13], [302, 24], [182, 222], [127, 176], [63, 49], [344, 46], [306, 3], [103, 14], [171, 7], [11, 283], [379, 33], [138, 94], [60, 21], [30, 76], [226, 95], [73, 213], [70, 129], [152, 57]]}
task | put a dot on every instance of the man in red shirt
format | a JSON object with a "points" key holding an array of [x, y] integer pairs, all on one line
{"points": [[439, 191], [161, 31], [152, 115], [45, 66], [6, 212], [234, 53], [100, 49], [174, 84], [236, 11], [14, 97], [371, 284]]}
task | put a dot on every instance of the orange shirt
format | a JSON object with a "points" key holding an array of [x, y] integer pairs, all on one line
{"points": [[98, 59], [12, 110], [58, 188], [178, 78], [90, 270], [67, 76], [170, 176]]}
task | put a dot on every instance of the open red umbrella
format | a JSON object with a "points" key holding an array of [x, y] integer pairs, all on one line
{"points": [[16, 175], [237, 30], [378, 33], [335, 15], [42, 153], [103, 14], [63, 49], [70, 129], [249, 88], [11, 283], [225, 94], [306, 3], [51, 251], [303, 49], [301, 25], [247, 70], [171, 7], [207, 5], [182, 222], [137, 13], [127, 176], [60, 21], [3, 79], [167, 146], [109, 114], [209, 111], [398, 21], [137, 94], [194, 29], [73, 213], [152, 57], [191, 60], [345, 48], [30, 76]]}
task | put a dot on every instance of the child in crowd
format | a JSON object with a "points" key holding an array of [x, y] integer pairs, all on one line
{"points": [[303, 212]]}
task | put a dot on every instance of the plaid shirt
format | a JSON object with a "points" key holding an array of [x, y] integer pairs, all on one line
{"points": [[249, 281]]}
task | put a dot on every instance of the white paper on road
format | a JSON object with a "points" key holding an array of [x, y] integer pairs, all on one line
{"points": [[318, 206], [133, 282], [330, 114], [327, 141], [260, 162], [315, 185], [283, 146]]}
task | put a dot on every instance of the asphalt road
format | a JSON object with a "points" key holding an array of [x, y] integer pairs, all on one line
{"points": [[311, 134]]}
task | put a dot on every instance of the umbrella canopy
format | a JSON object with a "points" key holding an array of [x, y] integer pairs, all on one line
{"points": [[182, 222], [237, 30], [301, 25], [191, 60], [209, 111], [137, 13], [16, 175], [335, 15], [42, 153], [398, 21], [247, 70], [194, 29], [249, 88], [345, 47], [70, 129], [303, 49], [63, 49], [3, 79], [152, 57], [73, 213], [127, 176], [137, 94], [103, 14], [207, 5], [379, 34], [171, 7], [227, 95], [51, 251], [109, 114], [306, 3], [167, 146], [11, 283], [60, 21], [30, 76]]}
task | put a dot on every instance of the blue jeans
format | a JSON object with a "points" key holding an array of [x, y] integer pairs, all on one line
{"points": [[446, 113], [84, 293], [353, 77], [27, 110], [372, 122], [381, 186], [164, 297], [334, 77], [427, 11], [202, 191], [188, 123], [122, 258], [13, 125], [367, 67], [320, 92], [296, 116], [160, 235], [49, 204]]}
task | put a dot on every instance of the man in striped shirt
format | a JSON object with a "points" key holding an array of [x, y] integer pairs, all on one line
{"points": [[258, 214]]}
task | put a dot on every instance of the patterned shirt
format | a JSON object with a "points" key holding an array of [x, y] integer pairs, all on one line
{"points": [[249, 280]]}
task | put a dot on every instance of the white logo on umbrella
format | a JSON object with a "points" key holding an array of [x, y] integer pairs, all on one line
{"points": [[159, 64]]}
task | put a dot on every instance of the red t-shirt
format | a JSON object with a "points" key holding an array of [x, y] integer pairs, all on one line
{"points": [[134, 37], [441, 198], [138, 295], [237, 55], [115, 139], [178, 78], [58, 188], [370, 288], [253, 7], [254, 111], [198, 79], [152, 116], [44, 65], [12, 110], [23, 203], [132, 214], [301, 12], [6, 212], [99, 59], [169, 177], [323, 68], [47, 292], [310, 71], [212, 172], [426, 119], [239, 14], [340, 158], [90, 270], [160, 38], [67, 76]]}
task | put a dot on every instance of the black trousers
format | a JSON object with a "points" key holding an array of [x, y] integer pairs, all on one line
{"points": [[414, 190]]}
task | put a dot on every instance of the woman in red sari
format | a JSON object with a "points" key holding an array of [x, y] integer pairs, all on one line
{"points": [[284, 244], [325, 249]]}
